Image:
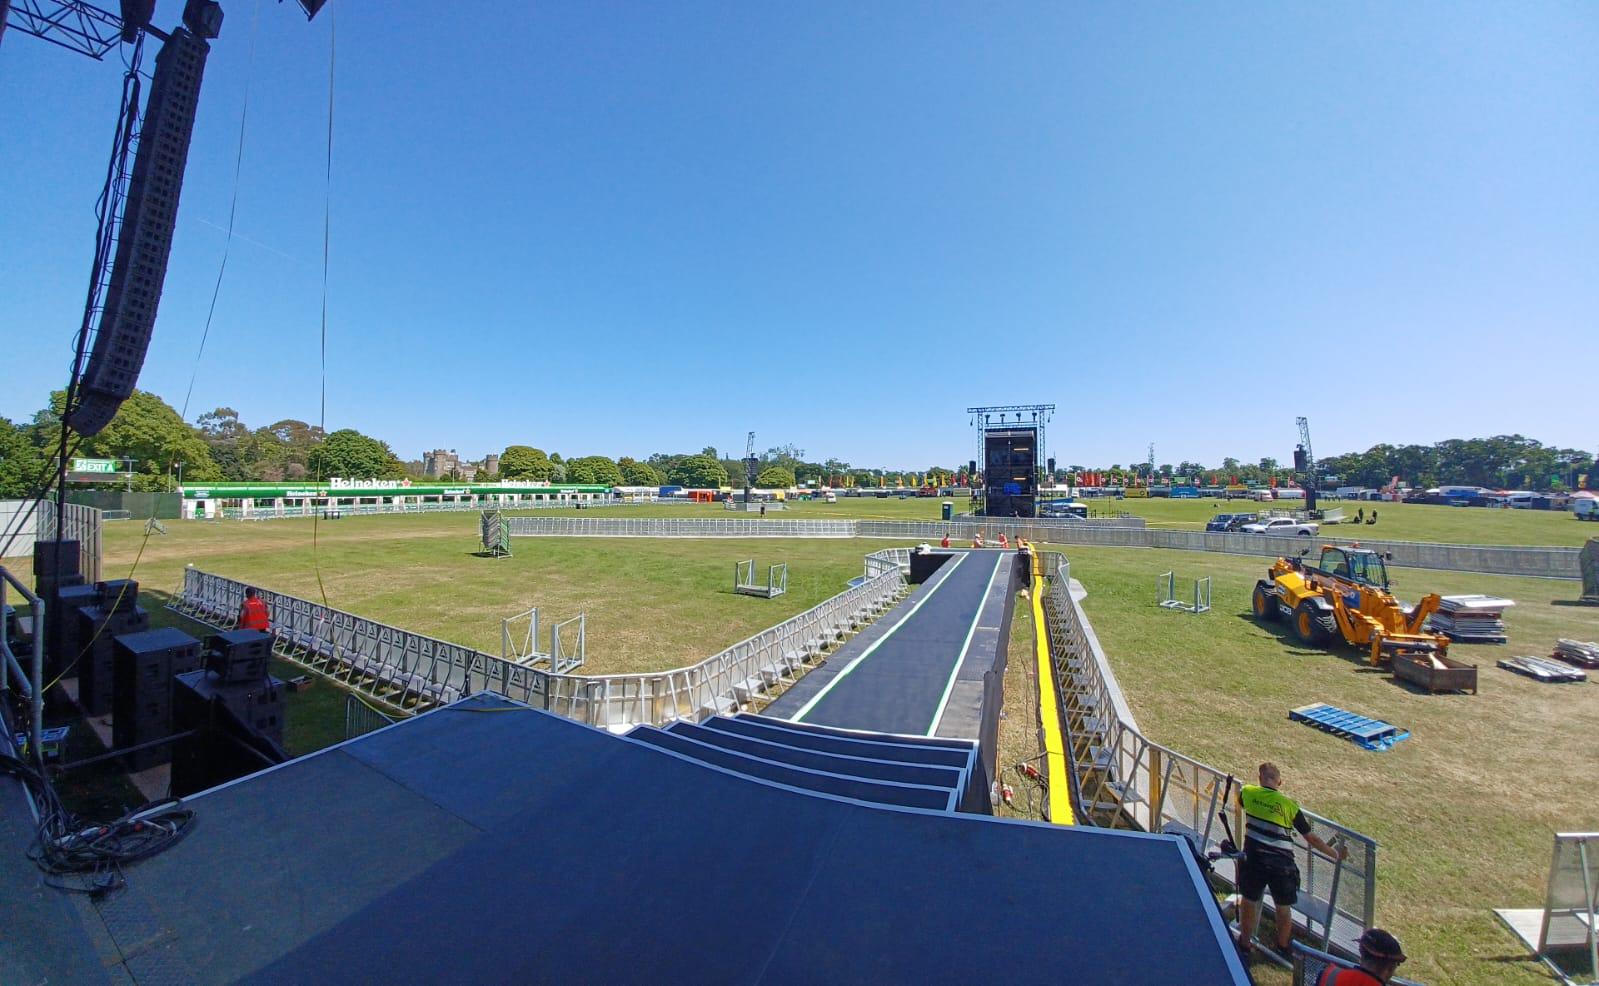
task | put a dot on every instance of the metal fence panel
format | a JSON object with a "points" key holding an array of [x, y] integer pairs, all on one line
{"points": [[407, 671], [1119, 769]]}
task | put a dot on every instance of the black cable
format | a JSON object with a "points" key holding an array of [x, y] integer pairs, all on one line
{"points": [[233, 208], [64, 845]]}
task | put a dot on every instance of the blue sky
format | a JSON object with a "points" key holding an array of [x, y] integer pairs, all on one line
{"points": [[622, 227]]}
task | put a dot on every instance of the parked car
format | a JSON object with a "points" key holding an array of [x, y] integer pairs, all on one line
{"points": [[1282, 527], [1228, 523]]}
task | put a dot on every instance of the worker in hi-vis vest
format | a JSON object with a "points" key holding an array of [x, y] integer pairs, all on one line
{"points": [[253, 614], [1270, 820]]}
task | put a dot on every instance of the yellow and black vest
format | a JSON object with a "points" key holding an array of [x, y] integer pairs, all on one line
{"points": [[1269, 818]]}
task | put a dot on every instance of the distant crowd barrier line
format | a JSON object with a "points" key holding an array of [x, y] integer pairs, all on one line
{"points": [[1539, 562], [407, 671]]}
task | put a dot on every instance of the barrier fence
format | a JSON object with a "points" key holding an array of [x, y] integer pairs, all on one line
{"points": [[1541, 562], [1121, 777], [408, 671], [675, 527], [22, 522]]}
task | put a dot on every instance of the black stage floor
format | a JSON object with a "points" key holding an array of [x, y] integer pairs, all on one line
{"points": [[486, 842], [919, 669]]}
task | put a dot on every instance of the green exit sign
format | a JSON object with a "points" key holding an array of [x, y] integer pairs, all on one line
{"points": [[94, 465]]}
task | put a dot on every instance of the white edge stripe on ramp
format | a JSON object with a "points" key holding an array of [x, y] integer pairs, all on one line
{"points": [[851, 666], [954, 672]]}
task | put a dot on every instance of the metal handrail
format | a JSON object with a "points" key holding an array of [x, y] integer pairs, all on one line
{"points": [[33, 689], [1122, 774]]}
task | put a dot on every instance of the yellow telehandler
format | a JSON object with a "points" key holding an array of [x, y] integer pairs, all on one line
{"points": [[1346, 594]]}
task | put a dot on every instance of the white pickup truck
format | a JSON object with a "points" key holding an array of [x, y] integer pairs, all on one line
{"points": [[1282, 527]]}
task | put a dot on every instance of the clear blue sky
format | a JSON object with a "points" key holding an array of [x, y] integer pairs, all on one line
{"points": [[623, 228]]}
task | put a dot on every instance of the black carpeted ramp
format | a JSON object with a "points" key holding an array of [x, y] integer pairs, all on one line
{"points": [[902, 678]]}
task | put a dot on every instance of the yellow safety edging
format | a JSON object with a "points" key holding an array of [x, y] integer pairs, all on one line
{"points": [[1060, 802]]}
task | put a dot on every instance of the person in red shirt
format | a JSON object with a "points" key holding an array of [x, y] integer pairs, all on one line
{"points": [[253, 614], [1380, 957], [944, 543]]}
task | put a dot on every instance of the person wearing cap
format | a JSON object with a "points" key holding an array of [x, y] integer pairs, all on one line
{"points": [[1380, 957], [1270, 820]]}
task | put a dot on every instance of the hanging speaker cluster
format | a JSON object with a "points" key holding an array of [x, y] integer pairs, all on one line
{"points": [[149, 216]]}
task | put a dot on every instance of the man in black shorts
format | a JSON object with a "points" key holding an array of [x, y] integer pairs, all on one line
{"points": [[1270, 820]]}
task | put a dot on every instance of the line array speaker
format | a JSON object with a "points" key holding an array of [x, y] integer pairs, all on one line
{"points": [[145, 242]]}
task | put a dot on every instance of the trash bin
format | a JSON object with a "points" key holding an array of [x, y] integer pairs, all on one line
{"points": [[949, 509]]}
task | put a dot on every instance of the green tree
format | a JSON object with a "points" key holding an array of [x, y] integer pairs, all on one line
{"points": [[22, 465], [593, 470], [641, 473], [149, 431], [699, 472], [775, 478], [348, 454], [525, 462]]}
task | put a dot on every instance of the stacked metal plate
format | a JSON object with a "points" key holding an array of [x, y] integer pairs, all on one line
{"points": [[1544, 670], [1472, 619], [1584, 654]]}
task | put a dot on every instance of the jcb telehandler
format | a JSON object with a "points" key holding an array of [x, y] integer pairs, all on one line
{"points": [[1346, 594]]}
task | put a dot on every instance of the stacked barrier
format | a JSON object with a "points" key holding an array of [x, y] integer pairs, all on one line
{"points": [[409, 671], [1122, 778]]}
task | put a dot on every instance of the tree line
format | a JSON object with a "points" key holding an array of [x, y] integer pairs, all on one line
{"points": [[162, 448]]}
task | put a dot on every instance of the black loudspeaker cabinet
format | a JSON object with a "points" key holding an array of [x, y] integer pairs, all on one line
{"points": [[118, 594], [61, 643], [143, 665], [257, 704], [237, 730], [144, 244], [98, 631], [55, 559], [239, 655]]}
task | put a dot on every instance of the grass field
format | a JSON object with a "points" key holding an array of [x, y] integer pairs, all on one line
{"points": [[1463, 811], [651, 604]]}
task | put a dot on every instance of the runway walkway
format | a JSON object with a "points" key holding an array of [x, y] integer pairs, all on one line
{"points": [[919, 669]]}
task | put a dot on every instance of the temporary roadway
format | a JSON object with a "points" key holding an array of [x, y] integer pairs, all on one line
{"points": [[919, 669]]}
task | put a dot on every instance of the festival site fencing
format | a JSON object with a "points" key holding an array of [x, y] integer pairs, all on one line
{"points": [[1542, 562], [405, 671]]}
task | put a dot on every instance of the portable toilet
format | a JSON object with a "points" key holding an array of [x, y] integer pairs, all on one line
{"points": [[949, 509]]}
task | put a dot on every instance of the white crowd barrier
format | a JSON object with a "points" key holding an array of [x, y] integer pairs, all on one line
{"points": [[408, 671], [1540, 562]]}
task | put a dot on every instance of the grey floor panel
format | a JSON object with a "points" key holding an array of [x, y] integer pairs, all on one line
{"points": [[697, 875], [287, 855]]}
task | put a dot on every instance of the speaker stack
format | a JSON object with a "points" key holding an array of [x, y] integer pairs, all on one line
{"points": [[235, 710], [143, 666]]}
